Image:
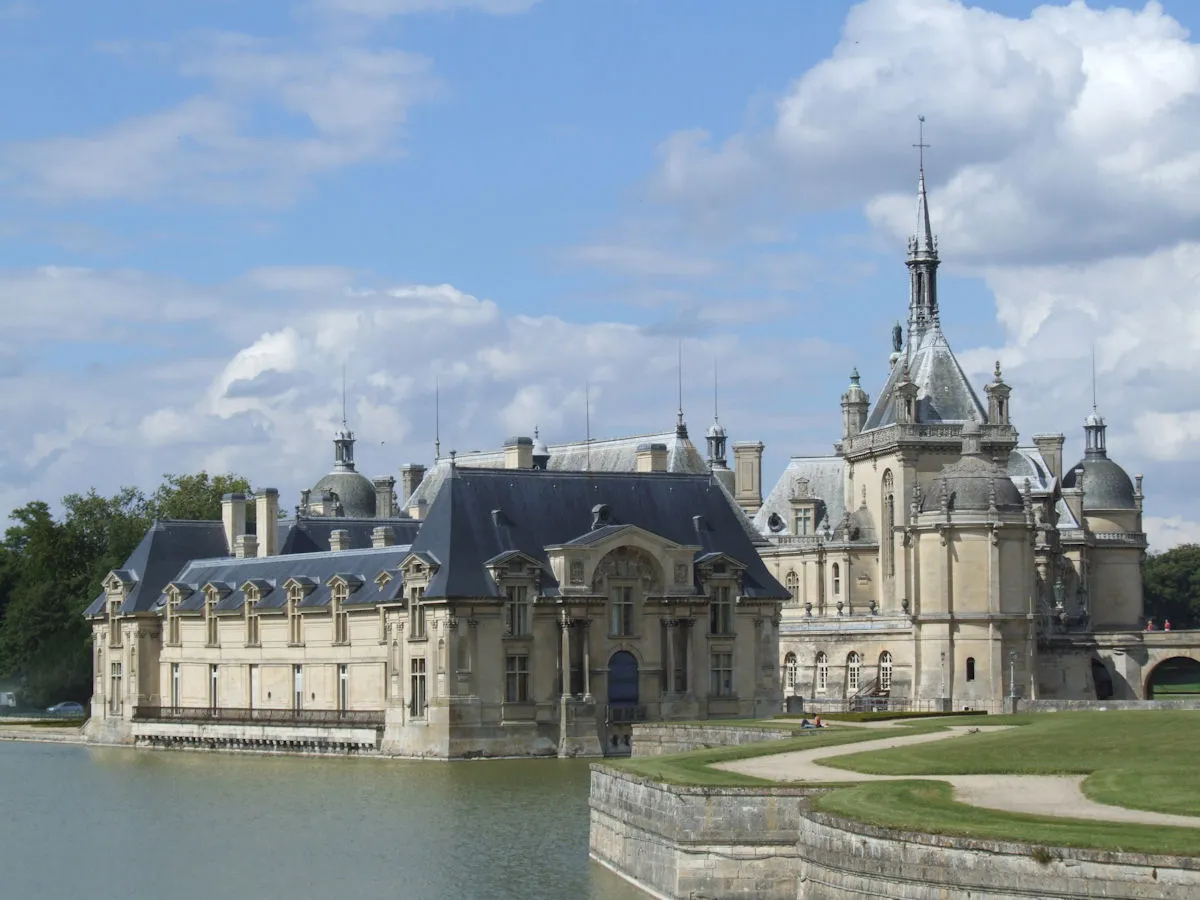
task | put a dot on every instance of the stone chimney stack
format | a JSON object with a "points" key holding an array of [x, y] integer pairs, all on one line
{"points": [[518, 453], [339, 540], [652, 457], [233, 518], [383, 536], [245, 546], [385, 497], [411, 477], [747, 475], [1051, 448], [266, 521]]}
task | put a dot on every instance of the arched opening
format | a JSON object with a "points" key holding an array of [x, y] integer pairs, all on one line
{"points": [[970, 668], [853, 672], [622, 679], [792, 583], [822, 679], [885, 671], [1178, 676], [789, 673], [1102, 679], [837, 580]]}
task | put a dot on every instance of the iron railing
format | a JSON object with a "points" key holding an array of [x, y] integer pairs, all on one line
{"points": [[227, 715], [624, 715]]}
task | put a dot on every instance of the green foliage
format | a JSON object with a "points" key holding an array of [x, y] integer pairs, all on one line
{"points": [[50, 570], [1172, 586], [195, 497]]}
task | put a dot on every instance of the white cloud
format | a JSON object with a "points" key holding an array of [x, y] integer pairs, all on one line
{"points": [[1165, 533]]}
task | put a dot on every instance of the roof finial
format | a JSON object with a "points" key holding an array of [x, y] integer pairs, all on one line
{"points": [[923, 241], [437, 419], [344, 397], [1093, 376], [716, 416], [587, 421], [680, 425]]}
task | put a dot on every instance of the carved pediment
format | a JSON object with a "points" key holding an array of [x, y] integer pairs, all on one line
{"points": [[628, 563]]}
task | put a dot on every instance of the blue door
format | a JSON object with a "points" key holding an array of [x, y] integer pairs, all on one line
{"points": [[622, 679]]}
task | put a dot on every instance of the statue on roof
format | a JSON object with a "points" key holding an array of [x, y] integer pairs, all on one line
{"points": [[897, 337]]}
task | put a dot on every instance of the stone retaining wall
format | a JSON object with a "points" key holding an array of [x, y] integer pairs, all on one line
{"points": [[661, 739], [1101, 705], [696, 842], [268, 738]]}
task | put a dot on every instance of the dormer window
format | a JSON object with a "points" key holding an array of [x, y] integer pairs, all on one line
{"points": [[720, 610], [802, 521], [516, 611], [416, 612], [114, 626], [252, 629], [212, 632], [173, 601], [341, 619], [295, 595]]}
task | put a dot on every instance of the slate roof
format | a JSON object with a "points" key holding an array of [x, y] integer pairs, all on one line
{"points": [[308, 568], [612, 455], [310, 534], [544, 509], [165, 549], [944, 394], [825, 481], [1105, 484]]}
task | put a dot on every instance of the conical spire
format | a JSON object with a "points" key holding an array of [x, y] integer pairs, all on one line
{"points": [[922, 256]]}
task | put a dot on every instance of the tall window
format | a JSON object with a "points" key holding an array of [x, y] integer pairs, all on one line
{"points": [[173, 619], [416, 693], [114, 625], [251, 685], [297, 688], [970, 668], [837, 580], [789, 672], [721, 675], [341, 618], [822, 673], [792, 583], [295, 622], [720, 612], [889, 521], [416, 612], [174, 684], [885, 671], [622, 611], [214, 687], [252, 635], [343, 687], [853, 671], [516, 610], [804, 520], [516, 678], [210, 622]]}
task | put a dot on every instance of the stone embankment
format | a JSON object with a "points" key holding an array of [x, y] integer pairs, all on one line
{"points": [[660, 740]]}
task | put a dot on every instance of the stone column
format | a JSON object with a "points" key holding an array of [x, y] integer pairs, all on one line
{"points": [[586, 625], [566, 655], [452, 656], [670, 627]]}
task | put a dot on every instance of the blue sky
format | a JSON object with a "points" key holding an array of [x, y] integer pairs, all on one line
{"points": [[207, 207]]}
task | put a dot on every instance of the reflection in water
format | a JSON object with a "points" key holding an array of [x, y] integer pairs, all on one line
{"points": [[106, 823]]}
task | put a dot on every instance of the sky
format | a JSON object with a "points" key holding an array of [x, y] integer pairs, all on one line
{"points": [[208, 208]]}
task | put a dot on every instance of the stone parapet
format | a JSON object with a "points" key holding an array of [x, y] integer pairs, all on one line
{"points": [[269, 738], [660, 739]]}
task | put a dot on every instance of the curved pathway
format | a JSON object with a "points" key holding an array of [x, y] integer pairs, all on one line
{"points": [[1040, 795]]}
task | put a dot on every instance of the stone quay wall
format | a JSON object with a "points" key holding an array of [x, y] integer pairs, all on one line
{"points": [[1102, 705], [661, 739], [695, 842]]}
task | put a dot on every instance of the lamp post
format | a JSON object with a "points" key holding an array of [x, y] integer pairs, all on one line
{"points": [[1012, 680]]}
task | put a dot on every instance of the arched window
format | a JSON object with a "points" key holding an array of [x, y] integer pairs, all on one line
{"points": [[853, 671], [792, 583], [889, 522], [789, 672], [837, 580], [970, 668], [822, 672], [885, 671]]}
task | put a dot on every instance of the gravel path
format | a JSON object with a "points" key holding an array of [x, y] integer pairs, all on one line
{"points": [[1039, 795]]}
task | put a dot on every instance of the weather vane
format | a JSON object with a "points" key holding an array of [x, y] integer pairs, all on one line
{"points": [[920, 145]]}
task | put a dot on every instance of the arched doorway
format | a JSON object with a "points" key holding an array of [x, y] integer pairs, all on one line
{"points": [[1178, 676], [623, 709], [1102, 678]]}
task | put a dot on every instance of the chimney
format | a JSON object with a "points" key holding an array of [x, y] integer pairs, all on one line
{"points": [[747, 475], [383, 536], [385, 497], [518, 453], [652, 457], [411, 477], [1051, 448], [245, 546], [339, 539], [266, 516], [1073, 497], [233, 517]]}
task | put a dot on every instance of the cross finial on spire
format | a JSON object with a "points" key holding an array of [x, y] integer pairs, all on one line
{"points": [[344, 397], [920, 145]]}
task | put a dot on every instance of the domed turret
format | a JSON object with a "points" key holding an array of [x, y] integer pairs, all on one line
{"points": [[541, 453], [354, 492], [855, 406], [1105, 484], [974, 483]]}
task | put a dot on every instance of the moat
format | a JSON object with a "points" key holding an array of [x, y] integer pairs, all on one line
{"points": [[112, 823]]}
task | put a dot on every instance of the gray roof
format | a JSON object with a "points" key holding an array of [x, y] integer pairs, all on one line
{"points": [[1105, 484], [611, 455], [310, 534], [943, 392], [315, 569], [354, 491], [482, 513], [973, 484], [825, 477], [165, 549]]}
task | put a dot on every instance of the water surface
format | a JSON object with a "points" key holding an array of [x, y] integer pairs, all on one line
{"points": [[99, 823]]}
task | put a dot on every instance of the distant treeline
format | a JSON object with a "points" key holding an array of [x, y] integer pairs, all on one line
{"points": [[51, 569]]}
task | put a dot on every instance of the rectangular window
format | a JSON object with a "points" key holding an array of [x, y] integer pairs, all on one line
{"points": [[114, 689], [416, 612], [297, 688], [213, 636], [804, 521], [341, 626], [252, 637], [343, 687], [114, 626], [252, 686], [173, 622], [174, 684], [416, 695], [720, 619], [516, 610], [295, 622], [622, 611], [722, 675], [516, 678], [214, 691]]}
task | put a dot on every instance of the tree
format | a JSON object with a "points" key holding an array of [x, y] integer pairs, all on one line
{"points": [[195, 496], [1172, 586]]}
